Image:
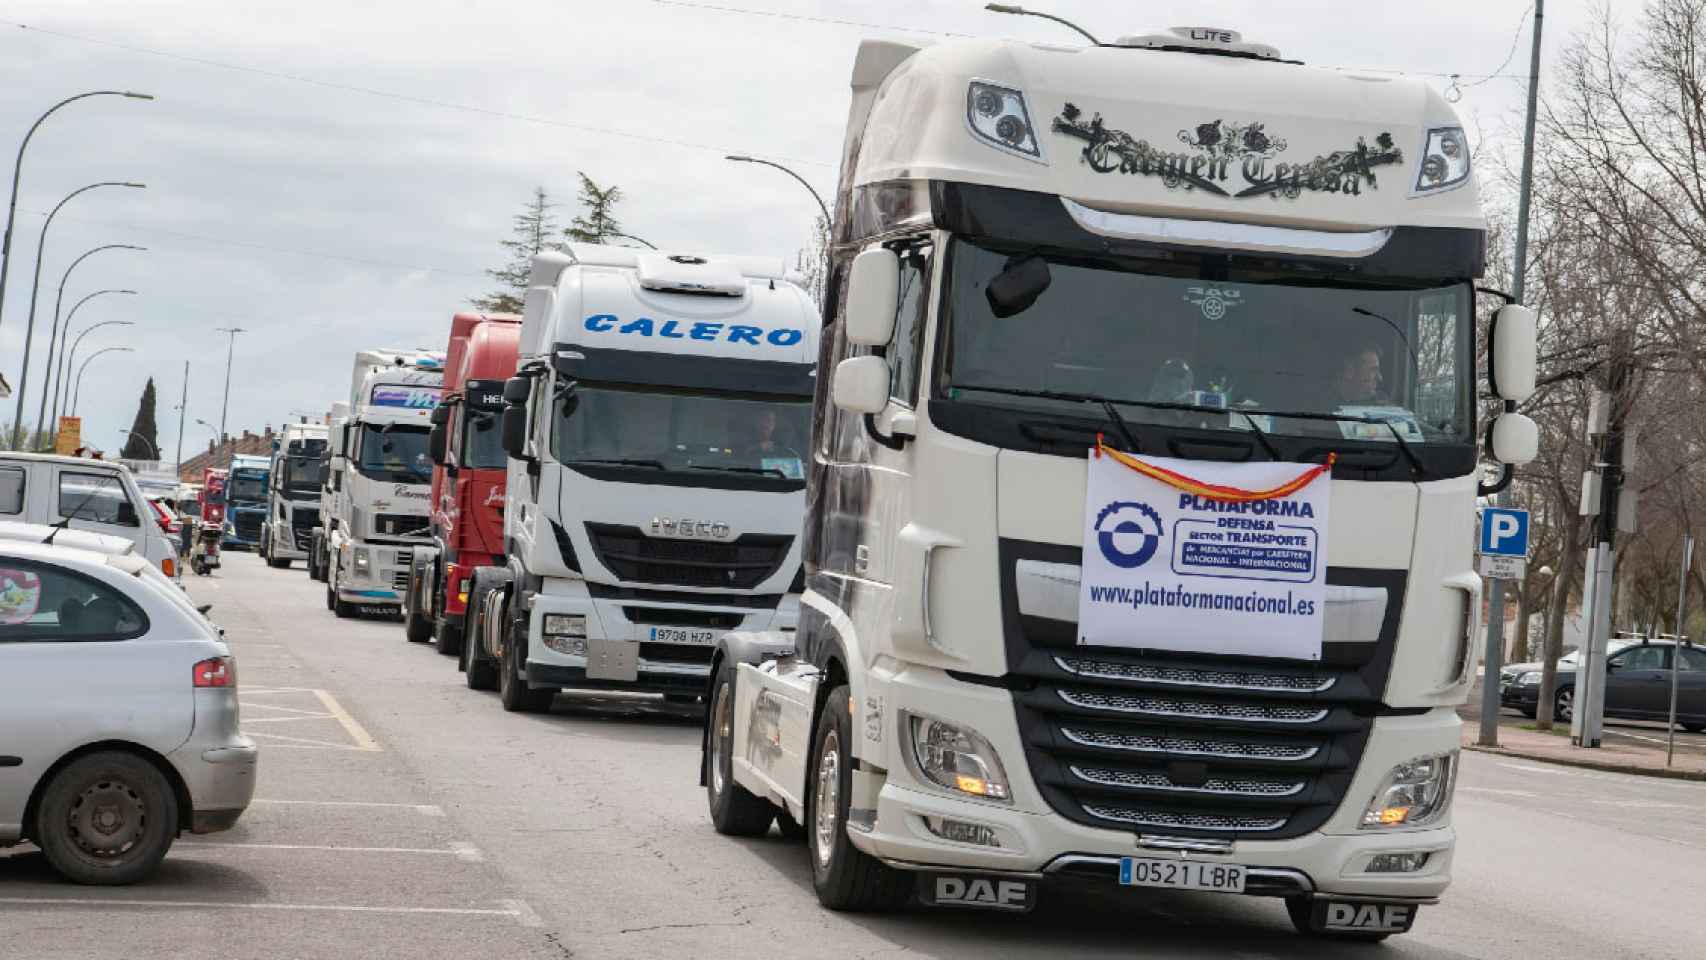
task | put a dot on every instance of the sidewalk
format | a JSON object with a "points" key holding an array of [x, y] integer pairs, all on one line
{"points": [[1616, 756]]}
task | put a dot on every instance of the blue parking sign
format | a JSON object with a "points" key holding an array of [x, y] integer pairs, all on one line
{"points": [[1504, 533]]}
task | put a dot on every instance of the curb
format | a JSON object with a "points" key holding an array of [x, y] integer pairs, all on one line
{"points": [[1633, 769]]}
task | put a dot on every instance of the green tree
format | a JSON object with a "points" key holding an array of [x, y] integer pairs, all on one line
{"points": [[532, 232], [143, 441], [598, 224]]}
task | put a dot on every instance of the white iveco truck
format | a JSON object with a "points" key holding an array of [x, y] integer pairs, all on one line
{"points": [[656, 431], [380, 480], [293, 498], [1215, 260]]}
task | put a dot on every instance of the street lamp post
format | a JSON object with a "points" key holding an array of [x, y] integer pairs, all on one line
{"points": [[53, 341], [78, 383], [71, 355], [152, 448], [629, 236], [229, 349], [18, 167], [743, 158], [59, 381], [35, 287]]}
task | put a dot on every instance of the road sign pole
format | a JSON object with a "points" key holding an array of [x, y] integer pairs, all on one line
{"points": [[1676, 650], [1504, 552]]}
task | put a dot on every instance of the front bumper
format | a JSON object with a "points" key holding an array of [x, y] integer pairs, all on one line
{"points": [[385, 579], [1033, 840], [1519, 697]]}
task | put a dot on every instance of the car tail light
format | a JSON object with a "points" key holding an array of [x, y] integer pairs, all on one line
{"points": [[216, 672], [169, 567]]}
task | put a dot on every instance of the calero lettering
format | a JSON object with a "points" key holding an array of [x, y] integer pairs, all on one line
{"points": [[695, 330]]}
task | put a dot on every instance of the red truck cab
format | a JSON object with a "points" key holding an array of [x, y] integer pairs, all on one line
{"points": [[468, 478]]}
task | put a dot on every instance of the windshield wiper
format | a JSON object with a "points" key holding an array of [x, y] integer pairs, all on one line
{"points": [[763, 471], [1416, 465], [618, 461]]}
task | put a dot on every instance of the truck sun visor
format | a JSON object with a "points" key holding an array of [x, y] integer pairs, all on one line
{"points": [[687, 371]]}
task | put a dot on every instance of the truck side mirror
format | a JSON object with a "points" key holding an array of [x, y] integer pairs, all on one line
{"points": [[1513, 439], [873, 290], [515, 432], [861, 384], [325, 473], [516, 390], [440, 415], [437, 441], [1512, 353]]}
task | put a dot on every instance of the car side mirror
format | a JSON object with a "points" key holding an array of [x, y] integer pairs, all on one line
{"points": [[861, 384], [873, 290], [1512, 347], [515, 432]]}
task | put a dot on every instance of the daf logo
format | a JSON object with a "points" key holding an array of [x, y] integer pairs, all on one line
{"points": [[686, 529]]}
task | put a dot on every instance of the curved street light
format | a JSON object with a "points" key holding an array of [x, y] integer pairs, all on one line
{"points": [[17, 170], [629, 236], [1017, 10], [79, 382], [823, 288], [71, 355], [53, 335], [133, 433], [35, 287], [59, 381]]}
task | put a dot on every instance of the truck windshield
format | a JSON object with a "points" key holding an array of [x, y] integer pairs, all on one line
{"points": [[1270, 343], [482, 441], [393, 453], [302, 473], [246, 487], [655, 429]]}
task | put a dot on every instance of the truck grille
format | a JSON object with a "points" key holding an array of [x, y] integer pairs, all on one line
{"points": [[1191, 744], [247, 523], [400, 525], [740, 564], [303, 520]]}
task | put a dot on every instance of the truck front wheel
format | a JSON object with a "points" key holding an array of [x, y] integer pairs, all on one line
{"points": [[416, 627], [735, 811], [845, 877], [513, 691], [478, 671]]}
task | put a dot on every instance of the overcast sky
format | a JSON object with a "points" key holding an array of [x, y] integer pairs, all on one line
{"points": [[299, 184]]}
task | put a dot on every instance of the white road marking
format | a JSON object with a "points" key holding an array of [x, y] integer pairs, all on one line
{"points": [[516, 909], [278, 709], [1504, 793], [467, 852], [305, 716], [302, 743], [356, 731], [460, 851], [424, 809]]}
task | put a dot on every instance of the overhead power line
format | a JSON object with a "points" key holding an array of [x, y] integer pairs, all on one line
{"points": [[835, 21], [393, 95]]}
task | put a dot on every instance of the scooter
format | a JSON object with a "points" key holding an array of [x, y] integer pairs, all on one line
{"points": [[204, 548]]}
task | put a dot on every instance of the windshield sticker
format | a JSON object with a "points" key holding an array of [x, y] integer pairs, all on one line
{"points": [[787, 466], [20, 595], [408, 398], [1213, 301], [1227, 159], [694, 330], [1401, 419]]}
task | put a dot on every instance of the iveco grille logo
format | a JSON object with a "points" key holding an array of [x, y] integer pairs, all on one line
{"points": [[686, 529]]}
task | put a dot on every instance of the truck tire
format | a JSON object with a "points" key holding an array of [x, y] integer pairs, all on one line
{"points": [[107, 818], [331, 599], [278, 563], [261, 546], [735, 810], [340, 609], [513, 691], [417, 628], [1302, 914], [316, 558], [447, 637], [844, 877], [479, 672]]}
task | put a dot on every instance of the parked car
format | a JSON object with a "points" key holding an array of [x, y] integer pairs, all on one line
{"points": [[1637, 685], [1511, 671], [118, 709], [97, 496]]}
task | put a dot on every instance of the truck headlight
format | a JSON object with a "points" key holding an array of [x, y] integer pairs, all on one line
{"points": [[361, 559], [998, 115], [1529, 679], [958, 758], [564, 625], [1445, 160], [1413, 794]]}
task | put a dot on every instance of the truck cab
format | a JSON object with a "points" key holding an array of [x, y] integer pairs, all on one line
{"points": [[656, 434], [293, 493], [245, 500], [382, 478], [468, 479], [1185, 252]]}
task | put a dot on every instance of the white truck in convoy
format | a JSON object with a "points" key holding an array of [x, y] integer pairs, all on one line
{"points": [[293, 493], [1178, 261], [380, 480], [656, 433]]}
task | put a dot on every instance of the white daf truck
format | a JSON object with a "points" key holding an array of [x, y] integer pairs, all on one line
{"points": [[381, 480], [293, 493], [656, 433], [1199, 259]]}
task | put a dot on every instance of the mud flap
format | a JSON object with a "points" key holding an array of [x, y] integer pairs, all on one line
{"points": [[978, 891], [1361, 916]]}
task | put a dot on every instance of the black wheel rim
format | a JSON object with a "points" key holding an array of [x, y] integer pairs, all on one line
{"points": [[107, 820]]}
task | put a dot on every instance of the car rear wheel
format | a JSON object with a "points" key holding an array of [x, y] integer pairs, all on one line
{"points": [[1564, 704], [107, 818]]}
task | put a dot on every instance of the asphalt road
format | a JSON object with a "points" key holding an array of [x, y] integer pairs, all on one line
{"points": [[401, 815]]}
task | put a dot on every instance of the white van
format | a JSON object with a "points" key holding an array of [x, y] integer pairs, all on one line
{"points": [[93, 496]]}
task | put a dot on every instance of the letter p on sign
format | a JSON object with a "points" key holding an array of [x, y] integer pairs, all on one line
{"points": [[1504, 533]]}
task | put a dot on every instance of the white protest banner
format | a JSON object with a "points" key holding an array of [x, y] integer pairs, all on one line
{"points": [[1169, 567]]}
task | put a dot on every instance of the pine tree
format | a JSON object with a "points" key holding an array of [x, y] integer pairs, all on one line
{"points": [[143, 441], [598, 224], [532, 232]]}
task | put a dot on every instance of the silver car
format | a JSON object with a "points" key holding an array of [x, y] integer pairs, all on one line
{"points": [[118, 712]]}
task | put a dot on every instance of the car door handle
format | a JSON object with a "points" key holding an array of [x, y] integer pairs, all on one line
{"points": [[11, 761]]}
